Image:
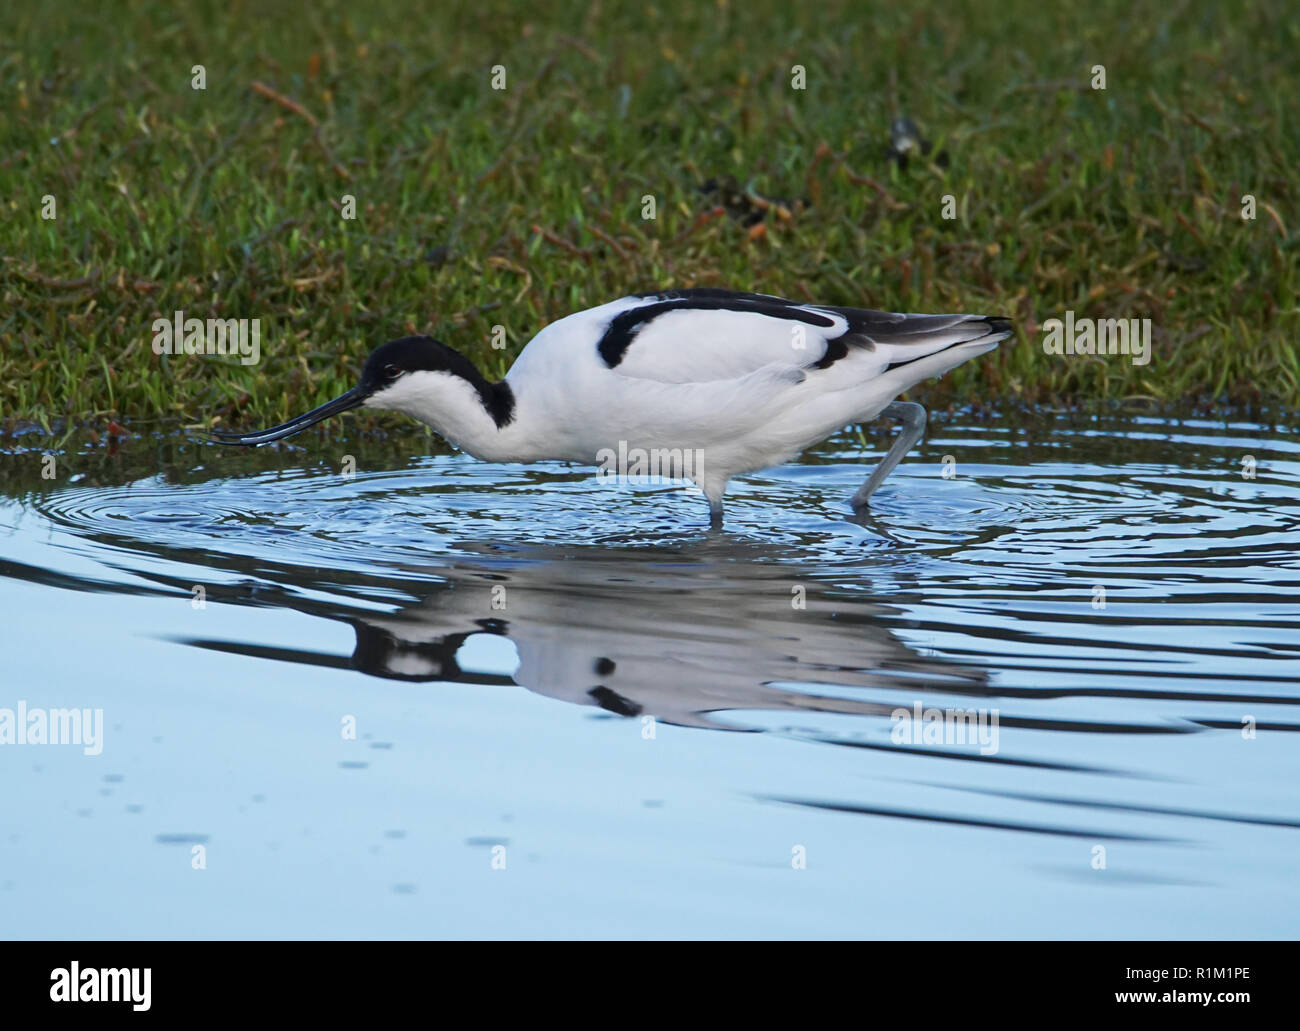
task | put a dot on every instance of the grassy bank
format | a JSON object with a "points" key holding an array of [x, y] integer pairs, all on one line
{"points": [[478, 207]]}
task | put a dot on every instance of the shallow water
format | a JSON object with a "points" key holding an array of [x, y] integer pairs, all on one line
{"points": [[661, 731]]}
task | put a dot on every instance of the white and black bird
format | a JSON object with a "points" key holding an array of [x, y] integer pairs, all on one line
{"points": [[741, 381]]}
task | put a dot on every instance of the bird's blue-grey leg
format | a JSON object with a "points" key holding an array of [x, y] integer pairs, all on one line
{"points": [[715, 513], [912, 416]]}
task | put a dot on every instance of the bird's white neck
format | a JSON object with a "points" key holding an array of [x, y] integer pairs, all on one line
{"points": [[477, 416]]}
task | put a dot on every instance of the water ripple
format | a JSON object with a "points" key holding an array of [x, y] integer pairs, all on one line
{"points": [[1117, 593]]}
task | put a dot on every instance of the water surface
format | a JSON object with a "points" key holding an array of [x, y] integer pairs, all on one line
{"points": [[658, 730]]}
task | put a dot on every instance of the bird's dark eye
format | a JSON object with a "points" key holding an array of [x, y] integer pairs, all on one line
{"points": [[392, 371]]}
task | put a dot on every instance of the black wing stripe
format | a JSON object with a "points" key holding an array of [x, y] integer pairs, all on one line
{"points": [[624, 327], [837, 349], [866, 327]]}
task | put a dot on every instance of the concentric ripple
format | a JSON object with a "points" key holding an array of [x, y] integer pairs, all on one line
{"points": [[1122, 594]]}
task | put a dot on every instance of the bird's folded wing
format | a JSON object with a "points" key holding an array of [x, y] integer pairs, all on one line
{"points": [[696, 336]]}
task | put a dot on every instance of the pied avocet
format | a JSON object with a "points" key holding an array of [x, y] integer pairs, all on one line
{"points": [[740, 381]]}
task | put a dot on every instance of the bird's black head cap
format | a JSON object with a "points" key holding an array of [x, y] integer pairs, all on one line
{"points": [[391, 361]]}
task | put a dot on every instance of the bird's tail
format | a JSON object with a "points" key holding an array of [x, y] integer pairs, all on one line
{"points": [[918, 347]]}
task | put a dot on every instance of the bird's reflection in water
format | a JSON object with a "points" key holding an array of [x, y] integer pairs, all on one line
{"points": [[678, 633]]}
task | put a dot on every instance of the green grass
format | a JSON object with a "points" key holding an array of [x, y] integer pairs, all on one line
{"points": [[478, 207]]}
